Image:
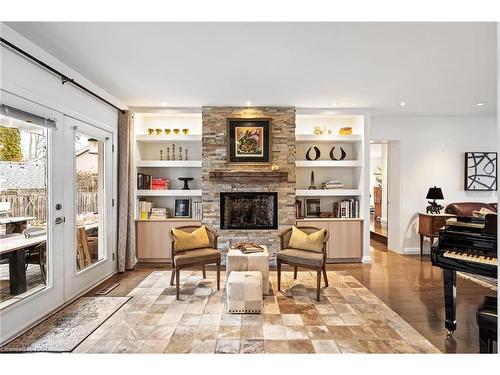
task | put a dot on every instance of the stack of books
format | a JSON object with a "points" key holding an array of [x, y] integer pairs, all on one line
{"points": [[158, 213], [332, 184], [197, 211], [144, 209], [159, 183], [347, 208], [298, 209]]}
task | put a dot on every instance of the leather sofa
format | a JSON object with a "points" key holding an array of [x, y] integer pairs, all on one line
{"points": [[467, 208]]}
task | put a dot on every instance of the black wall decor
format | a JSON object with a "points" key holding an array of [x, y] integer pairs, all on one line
{"points": [[480, 171], [342, 153], [317, 153]]}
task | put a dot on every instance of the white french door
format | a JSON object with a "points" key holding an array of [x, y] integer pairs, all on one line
{"points": [[32, 177], [88, 195]]}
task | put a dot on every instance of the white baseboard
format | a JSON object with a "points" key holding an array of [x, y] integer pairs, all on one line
{"points": [[367, 259], [413, 251]]}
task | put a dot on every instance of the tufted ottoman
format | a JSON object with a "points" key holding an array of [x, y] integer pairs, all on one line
{"points": [[244, 292], [238, 261]]}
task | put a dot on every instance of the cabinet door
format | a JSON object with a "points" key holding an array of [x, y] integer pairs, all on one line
{"points": [[153, 240], [345, 240]]}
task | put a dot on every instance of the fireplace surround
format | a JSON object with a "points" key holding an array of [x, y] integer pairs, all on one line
{"points": [[249, 210]]}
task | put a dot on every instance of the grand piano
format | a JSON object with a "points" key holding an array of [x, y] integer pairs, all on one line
{"points": [[467, 245]]}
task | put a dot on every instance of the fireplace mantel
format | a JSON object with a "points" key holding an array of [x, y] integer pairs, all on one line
{"points": [[248, 176]]}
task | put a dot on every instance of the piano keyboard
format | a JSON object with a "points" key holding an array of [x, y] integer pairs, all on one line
{"points": [[469, 257]]}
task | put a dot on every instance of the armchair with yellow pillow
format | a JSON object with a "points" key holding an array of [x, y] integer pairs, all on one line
{"points": [[193, 246], [304, 247]]}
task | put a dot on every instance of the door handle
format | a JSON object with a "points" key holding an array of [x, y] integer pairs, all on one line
{"points": [[60, 220]]}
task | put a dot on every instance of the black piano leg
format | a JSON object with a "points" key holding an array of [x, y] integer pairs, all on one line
{"points": [[450, 293]]}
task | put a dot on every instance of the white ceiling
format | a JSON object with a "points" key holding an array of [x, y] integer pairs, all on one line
{"points": [[436, 68]]}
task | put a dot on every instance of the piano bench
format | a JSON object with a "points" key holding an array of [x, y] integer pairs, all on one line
{"points": [[486, 316]]}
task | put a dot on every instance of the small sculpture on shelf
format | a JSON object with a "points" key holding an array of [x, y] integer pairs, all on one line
{"points": [[158, 131], [317, 153], [167, 131], [185, 131], [347, 130], [151, 131], [186, 180], [168, 153], [177, 131], [180, 152], [342, 153], [312, 186], [186, 154], [161, 154], [173, 151]]}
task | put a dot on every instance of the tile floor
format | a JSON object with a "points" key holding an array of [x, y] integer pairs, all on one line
{"points": [[348, 319]]}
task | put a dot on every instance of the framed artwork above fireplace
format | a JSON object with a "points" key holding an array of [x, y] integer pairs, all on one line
{"points": [[249, 141]]}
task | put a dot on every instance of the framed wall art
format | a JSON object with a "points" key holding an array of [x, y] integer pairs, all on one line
{"points": [[480, 171], [182, 207], [313, 207], [249, 141]]}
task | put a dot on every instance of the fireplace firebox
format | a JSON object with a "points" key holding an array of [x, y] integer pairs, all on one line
{"points": [[248, 210]]}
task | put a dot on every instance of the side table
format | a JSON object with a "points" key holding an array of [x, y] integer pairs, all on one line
{"points": [[238, 261], [429, 225]]}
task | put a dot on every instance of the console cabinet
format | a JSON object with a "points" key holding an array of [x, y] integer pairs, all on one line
{"points": [[346, 238], [153, 241]]}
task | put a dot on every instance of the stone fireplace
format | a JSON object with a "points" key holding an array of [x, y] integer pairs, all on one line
{"points": [[249, 210], [218, 176]]}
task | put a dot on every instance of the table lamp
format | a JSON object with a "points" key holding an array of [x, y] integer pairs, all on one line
{"points": [[434, 193]]}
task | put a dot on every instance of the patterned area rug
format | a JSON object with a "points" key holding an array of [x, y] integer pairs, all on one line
{"points": [[348, 319], [63, 331]]}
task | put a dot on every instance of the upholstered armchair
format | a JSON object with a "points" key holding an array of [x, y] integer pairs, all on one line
{"points": [[185, 257], [315, 260]]}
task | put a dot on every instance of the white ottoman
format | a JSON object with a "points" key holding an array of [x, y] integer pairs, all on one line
{"points": [[237, 261], [244, 292]]}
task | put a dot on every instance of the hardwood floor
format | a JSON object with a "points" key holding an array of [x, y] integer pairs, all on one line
{"points": [[412, 288]]}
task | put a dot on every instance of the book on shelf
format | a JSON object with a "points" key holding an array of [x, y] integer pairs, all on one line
{"points": [[159, 183], [347, 208], [148, 182], [197, 210], [144, 209], [298, 209], [247, 247], [158, 213], [332, 184]]}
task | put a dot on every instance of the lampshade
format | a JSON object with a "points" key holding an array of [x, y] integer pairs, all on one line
{"points": [[434, 193]]}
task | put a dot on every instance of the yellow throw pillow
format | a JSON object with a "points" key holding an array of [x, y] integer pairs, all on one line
{"points": [[309, 242], [197, 239]]}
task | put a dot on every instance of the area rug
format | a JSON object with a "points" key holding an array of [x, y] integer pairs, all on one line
{"points": [[348, 319], [63, 331], [487, 282]]}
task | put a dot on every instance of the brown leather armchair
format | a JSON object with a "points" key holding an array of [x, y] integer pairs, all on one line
{"points": [[301, 258], [467, 208], [197, 257]]}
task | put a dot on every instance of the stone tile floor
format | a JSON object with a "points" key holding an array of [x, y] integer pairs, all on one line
{"points": [[348, 319]]}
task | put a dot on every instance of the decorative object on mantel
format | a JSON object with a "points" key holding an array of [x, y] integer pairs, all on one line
{"points": [[480, 171], [434, 193], [186, 180], [346, 130], [158, 131], [275, 167], [151, 131], [185, 131], [332, 184], [313, 207], [173, 151], [168, 153], [180, 152], [342, 153], [177, 131], [167, 131], [248, 176], [312, 186], [249, 141], [317, 153]]}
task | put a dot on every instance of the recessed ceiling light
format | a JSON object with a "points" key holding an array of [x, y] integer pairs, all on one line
{"points": [[163, 103], [249, 103], [402, 104], [480, 104]]}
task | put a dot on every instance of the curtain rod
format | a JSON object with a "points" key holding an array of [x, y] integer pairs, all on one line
{"points": [[64, 78]]}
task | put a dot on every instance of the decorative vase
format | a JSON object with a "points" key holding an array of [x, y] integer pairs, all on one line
{"points": [[177, 131], [167, 131], [185, 131]]}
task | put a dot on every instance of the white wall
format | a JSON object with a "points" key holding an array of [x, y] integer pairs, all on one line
{"points": [[24, 78], [431, 152]]}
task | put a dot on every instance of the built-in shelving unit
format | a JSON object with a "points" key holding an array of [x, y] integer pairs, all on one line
{"points": [[152, 157], [327, 192], [327, 163]]}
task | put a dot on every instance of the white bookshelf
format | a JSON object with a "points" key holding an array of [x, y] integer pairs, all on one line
{"points": [[328, 163], [328, 193], [151, 157], [301, 137]]}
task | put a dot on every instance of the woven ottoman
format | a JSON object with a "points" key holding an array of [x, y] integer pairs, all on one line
{"points": [[238, 261], [244, 292]]}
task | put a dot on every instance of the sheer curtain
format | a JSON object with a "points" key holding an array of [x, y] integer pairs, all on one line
{"points": [[126, 225]]}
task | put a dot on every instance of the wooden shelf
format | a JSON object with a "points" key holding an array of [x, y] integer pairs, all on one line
{"points": [[249, 176], [327, 192], [168, 138], [329, 219], [169, 163], [328, 138], [169, 193], [327, 163]]}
